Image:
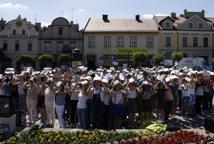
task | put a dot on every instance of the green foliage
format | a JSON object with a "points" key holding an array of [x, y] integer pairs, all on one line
{"points": [[140, 57], [46, 60], [177, 56], [158, 58], [26, 60], [64, 59]]}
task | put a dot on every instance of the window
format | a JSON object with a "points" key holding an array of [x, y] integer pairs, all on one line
{"points": [[23, 32], [195, 41], [200, 25], [47, 46], [168, 25], [5, 46], [91, 41], [14, 32], [184, 41], [205, 41], [59, 46], [149, 41], [120, 41], [133, 41], [30, 46], [167, 41], [17, 46], [190, 25], [107, 41], [60, 31]]}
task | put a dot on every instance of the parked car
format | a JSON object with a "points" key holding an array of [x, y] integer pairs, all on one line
{"points": [[9, 71]]}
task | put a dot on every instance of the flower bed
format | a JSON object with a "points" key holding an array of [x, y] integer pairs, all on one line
{"points": [[107, 137]]}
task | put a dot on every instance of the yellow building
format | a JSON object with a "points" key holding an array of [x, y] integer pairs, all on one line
{"points": [[190, 33], [104, 37], [18, 37]]}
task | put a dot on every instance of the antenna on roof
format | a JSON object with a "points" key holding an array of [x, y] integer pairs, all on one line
{"points": [[72, 14], [35, 18], [62, 13]]}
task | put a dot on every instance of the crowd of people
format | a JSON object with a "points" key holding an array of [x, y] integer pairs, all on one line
{"points": [[109, 98]]}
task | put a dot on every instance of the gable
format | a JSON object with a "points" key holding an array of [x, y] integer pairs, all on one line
{"points": [[167, 23], [195, 23]]}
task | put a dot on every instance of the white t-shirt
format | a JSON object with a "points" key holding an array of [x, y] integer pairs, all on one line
{"points": [[82, 99], [117, 97], [49, 96], [106, 98], [132, 94]]}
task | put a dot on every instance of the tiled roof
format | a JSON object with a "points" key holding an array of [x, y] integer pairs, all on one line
{"points": [[181, 19], [121, 25]]}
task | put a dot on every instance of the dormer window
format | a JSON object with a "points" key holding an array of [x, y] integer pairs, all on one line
{"points": [[190, 25], [23, 32], [200, 25], [168, 25], [14, 32], [60, 31]]}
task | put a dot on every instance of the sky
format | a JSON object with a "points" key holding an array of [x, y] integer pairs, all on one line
{"points": [[79, 11]]}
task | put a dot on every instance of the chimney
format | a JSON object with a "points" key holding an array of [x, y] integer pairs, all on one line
{"points": [[173, 15], [38, 26], [71, 22], [203, 13], [185, 12], [2, 23], [137, 18], [105, 18], [76, 27]]}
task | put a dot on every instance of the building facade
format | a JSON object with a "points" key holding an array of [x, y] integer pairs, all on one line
{"points": [[190, 33], [59, 37], [18, 37], [104, 38]]}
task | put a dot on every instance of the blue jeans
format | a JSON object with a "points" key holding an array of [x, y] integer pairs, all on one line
{"points": [[82, 118], [185, 103]]}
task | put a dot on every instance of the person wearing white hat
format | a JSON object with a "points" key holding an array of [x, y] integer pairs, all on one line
{"points": [[107, 104], [32, 99], [50, 94], [132, 92], [60, 103], [185, 95], [199, 93], [82, 109], [118, 101], [97, 105], [146, 94]]}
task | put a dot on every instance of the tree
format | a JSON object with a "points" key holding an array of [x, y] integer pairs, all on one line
{"points": [[64, 59], [177, 56], [26, 60], [158, 58], [46, 60], [140, 57]]}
